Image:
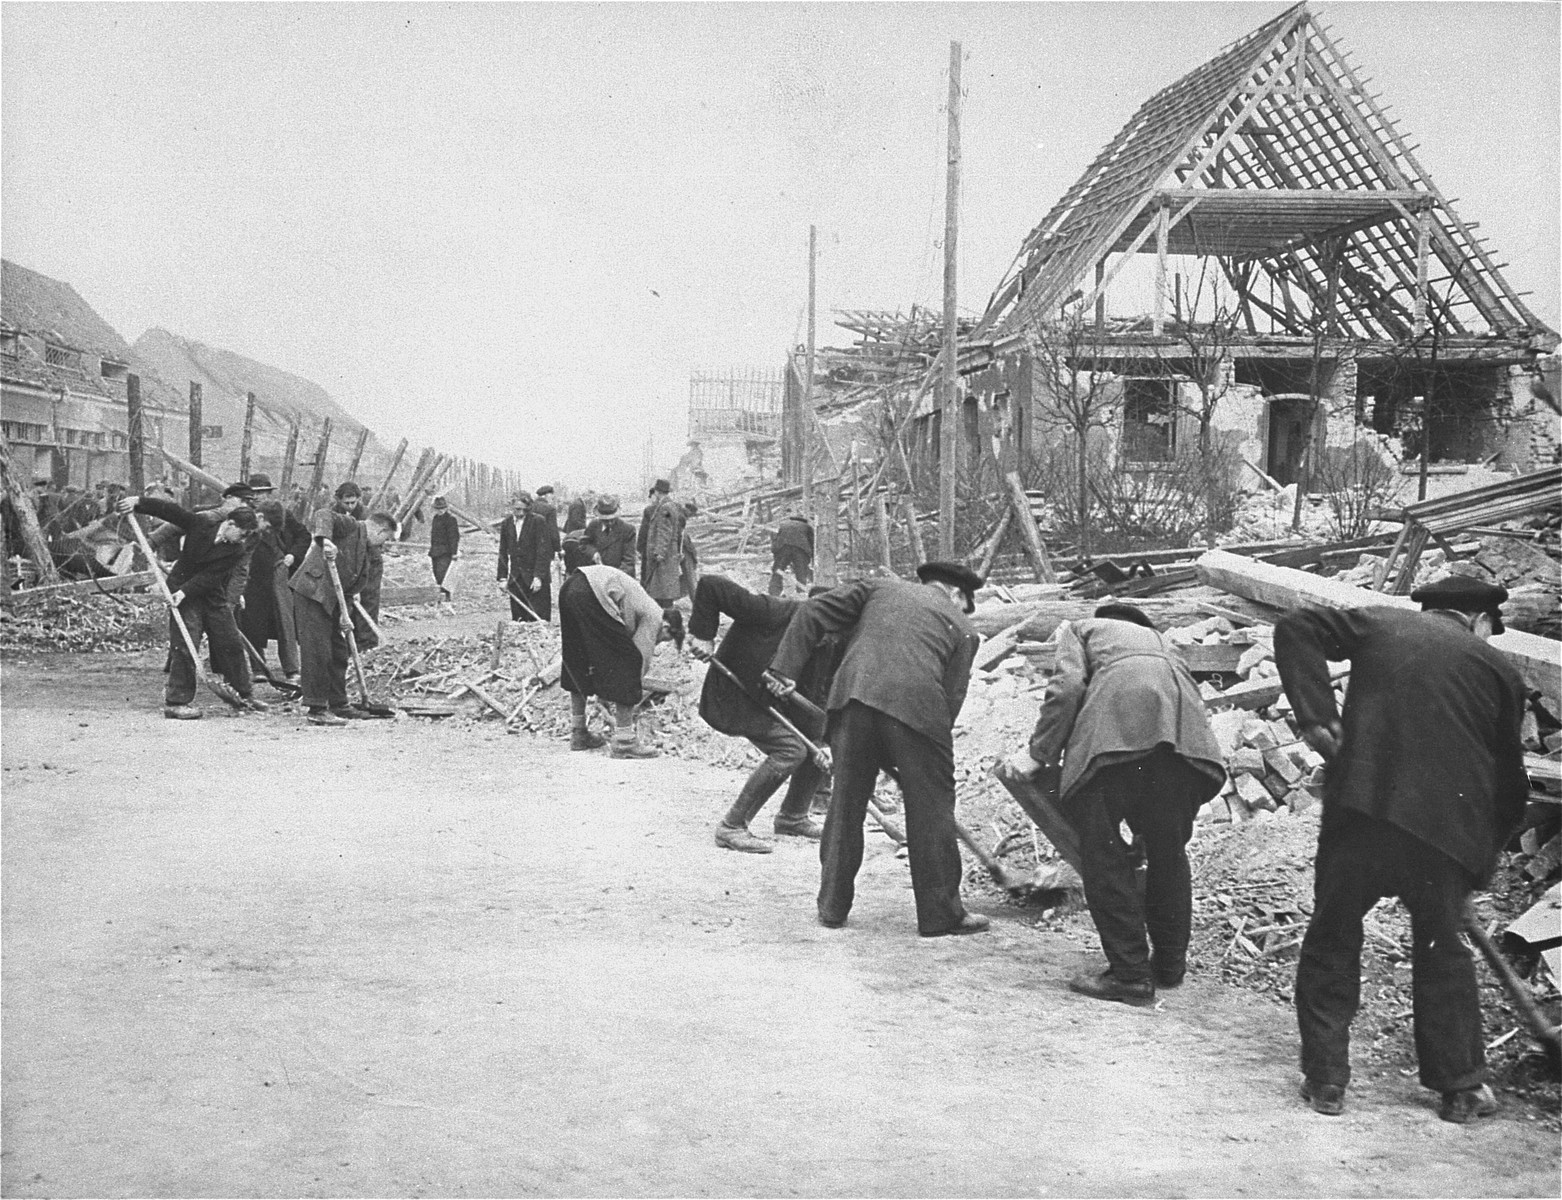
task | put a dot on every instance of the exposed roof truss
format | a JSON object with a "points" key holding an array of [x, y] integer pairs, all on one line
{"points": [[1273, 159]]}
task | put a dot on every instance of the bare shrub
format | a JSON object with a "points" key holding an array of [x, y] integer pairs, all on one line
{"points": [[1356, 481]]}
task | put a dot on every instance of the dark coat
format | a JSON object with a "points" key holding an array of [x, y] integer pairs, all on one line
{"points": [[794, 533], [662, 569], [758, 625], [295, 541], [575, 517], [1431, 724], [1119, 692], [525, 553], [204, 566], [909, 653], [351, 537], [444, 536], [260, 621], [614, 539]]}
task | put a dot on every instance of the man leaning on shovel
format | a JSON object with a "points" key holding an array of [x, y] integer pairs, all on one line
{"points": [[340, 543]]}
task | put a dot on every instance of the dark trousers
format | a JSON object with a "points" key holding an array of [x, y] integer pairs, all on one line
{"points": [[1361, 860], [441, 564], [787, 757], [323, 654], [540, 601], [287, 635], [863, 741], [1157, 796], [212, 617], [792, 557]]}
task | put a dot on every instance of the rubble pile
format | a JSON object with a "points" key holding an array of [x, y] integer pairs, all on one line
{"points": [[76, 623]]}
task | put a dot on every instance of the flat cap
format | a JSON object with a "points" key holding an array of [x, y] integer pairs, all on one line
{"points": [[260, 483], [241, 490], [1463, 594], [545, 490], [1118, 611], [957, 575]]}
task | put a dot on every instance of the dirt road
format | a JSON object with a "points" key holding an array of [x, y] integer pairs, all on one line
{"points": [[249, 957]]}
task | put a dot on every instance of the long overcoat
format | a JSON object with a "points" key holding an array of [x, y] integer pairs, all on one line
{"points": [[1119, 692], [663, 568]]}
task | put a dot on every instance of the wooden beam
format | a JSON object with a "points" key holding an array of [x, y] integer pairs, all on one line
{"points": [[289, 458], [352, 466], [1158, 320], [949, 423], [136, 426], [1537, 659], [193, 471], [195, 432], [248, 443], [16, 491], [1019, 503], [82, 587], [384, 488]]}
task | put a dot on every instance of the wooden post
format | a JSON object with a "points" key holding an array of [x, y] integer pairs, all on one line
{"points": [[1100, 301], [196, 417], [913, 531], [136, 427], [881, 511], [805, 439], [1034, 546], [26, 516], [384, 488], [827, 499], [248, 443], [853, 515], [352, 467], [984, 563], [1423, 236], [317, 476], [289, 457], [949, 431], [1162, 229]]}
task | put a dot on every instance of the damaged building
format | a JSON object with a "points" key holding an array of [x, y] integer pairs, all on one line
{"points": [[1313, 290]]}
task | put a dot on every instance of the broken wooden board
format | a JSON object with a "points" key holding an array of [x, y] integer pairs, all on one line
{"points": [[1261, 693], [996, 648], [1041, 806], [1538, 660], [82, 587], [401, 597], [428, 708]]}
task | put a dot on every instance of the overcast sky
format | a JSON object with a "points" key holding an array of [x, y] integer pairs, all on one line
{"points": [[513, 230]]}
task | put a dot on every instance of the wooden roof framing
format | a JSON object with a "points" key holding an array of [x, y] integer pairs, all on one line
{"points": [[1272, 158]]}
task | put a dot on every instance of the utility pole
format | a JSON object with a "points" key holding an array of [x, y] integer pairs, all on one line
{"points": [[805, 416], [136, 428], [249, 437], [949, 431], [194, 493]]}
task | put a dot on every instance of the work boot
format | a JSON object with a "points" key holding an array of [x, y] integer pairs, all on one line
{"points": [[255, 705], [584, 739], [1168, 975], [1107, 986], [799, 826], [349, 713], [633, 749], [324, 716], [741, 839], [1326, 1098], [181, 712], [970, 923], [1465, 1105]]}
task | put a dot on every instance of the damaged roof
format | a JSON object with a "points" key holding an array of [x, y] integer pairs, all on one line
{"points": [[1273, 158]]}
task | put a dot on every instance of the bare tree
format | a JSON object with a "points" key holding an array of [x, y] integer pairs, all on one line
{"points": [[1079, 395]]}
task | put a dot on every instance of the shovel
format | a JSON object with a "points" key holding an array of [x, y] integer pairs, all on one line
{"points": [[259, 660], [218, 686], [1547, 1034], [820, 755], [368, 706]]}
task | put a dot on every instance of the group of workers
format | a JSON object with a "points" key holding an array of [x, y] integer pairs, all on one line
{"points": [[1424, 779]]}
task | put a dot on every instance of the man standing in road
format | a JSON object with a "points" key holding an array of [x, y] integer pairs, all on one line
{"points": [[341, 544], [792, 548], [444, 542], [662, 571], [893, 707], [1125, 719], [742, 709], [527, 544], [1424, 785]]}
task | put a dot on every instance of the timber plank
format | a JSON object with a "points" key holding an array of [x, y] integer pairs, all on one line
{"points": [[83, 587]]}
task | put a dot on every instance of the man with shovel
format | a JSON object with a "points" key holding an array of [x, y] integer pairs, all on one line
{"points": [[342, 544], [1424, 785], [1125, 720], [892, 706], [214, 547], [734, 702]]}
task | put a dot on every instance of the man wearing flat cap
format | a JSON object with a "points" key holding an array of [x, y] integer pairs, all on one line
{"points": [[1424, 785], [1125, 733], [892, 707]]}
